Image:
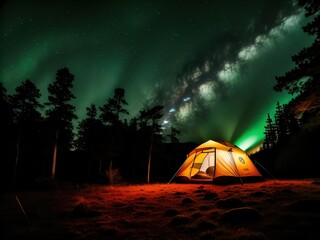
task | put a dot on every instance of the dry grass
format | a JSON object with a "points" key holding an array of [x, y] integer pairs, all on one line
{"points": [[287, 209]]}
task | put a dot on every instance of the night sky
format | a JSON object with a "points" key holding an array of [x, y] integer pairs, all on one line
{"points": [[211, 64]]}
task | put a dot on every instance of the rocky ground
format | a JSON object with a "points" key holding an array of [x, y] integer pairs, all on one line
{"points": [[273, 209]]}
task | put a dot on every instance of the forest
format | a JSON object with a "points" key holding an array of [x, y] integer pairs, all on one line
{"points": [[39, 142]]}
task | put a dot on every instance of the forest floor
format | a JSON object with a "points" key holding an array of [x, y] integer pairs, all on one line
{"points": [[273, 209]]}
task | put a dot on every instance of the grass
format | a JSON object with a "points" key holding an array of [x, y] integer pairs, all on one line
{"points": [[289, 208]]}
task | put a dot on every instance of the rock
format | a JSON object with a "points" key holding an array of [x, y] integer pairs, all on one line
{"points": [[141, 199], [82, 211], [241, 215], [210, 195], [180, 220], [187, 201], [229, 203], [171, 213], [205, 207], [206, 226], [196, 215], [200, 191]]}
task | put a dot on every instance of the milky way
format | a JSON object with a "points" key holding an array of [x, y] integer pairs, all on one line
{"points": [[211, 64]]}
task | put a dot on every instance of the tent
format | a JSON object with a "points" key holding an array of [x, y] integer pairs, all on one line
{"points": [[218, 162]]}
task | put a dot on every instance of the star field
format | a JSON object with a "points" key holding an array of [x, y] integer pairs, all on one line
{"points": [[211, 64]]}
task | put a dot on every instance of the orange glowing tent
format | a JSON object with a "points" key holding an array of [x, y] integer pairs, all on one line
{"points": [[217, 162]]}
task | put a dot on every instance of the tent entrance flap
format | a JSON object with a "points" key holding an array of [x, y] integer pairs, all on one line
{"points": [[208, 163], [202, 161]]}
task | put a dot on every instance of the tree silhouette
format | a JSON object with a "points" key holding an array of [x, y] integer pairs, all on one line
{"points": [[279, 131], [150, 129], [304, 78], [60, 112], [5, 109], [87, 129], [91, 139], [6, 138], [149, 121], [102, 137], [270, 134], [173, 135], [25, 103], [292, 122], [26, 115], [281, 124], [110, 112]]}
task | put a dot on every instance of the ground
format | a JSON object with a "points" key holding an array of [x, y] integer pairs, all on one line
{"points": [[273, 209]]}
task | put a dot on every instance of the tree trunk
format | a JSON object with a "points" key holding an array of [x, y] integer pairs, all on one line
{"points": [[16, 163], [54, 160], [110, 175], [149, 163]]}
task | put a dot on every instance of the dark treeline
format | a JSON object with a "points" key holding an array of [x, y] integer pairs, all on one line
{"points": [[291, 143], [292, 137], [279, 129], [38, 141]]}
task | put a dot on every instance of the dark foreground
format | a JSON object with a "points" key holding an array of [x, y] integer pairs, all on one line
{"points": [[286, 209]]}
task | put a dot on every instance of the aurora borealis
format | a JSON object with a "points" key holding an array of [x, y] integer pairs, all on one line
{"points": [[211, 64]]}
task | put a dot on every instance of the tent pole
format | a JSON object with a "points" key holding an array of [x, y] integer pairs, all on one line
{"points": [[195, 156], [215, 164], [235, 165], [177, 171]]}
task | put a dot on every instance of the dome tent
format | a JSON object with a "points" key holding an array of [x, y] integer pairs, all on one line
{"points": [[217, 162]]}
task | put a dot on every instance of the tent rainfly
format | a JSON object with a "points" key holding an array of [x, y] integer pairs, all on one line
{"points": [[217, 162]]}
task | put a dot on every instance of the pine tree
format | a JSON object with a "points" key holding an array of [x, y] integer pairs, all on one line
{"points": [[270, 134], [61, 113], [150, 129], [25, 103], [25, 106], [292, 122], [305, 77], [5, 109], [173, 135], [90, 138], [280, 123], [89, 129], [111, 110]]}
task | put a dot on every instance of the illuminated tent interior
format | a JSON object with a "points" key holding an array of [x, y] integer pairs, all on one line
{"points": [[217, 162]]}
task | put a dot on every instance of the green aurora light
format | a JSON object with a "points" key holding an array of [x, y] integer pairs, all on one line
{"points": [[146, 46]]}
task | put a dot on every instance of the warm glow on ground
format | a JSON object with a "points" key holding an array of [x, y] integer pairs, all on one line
{"points": [[286, 209]]}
